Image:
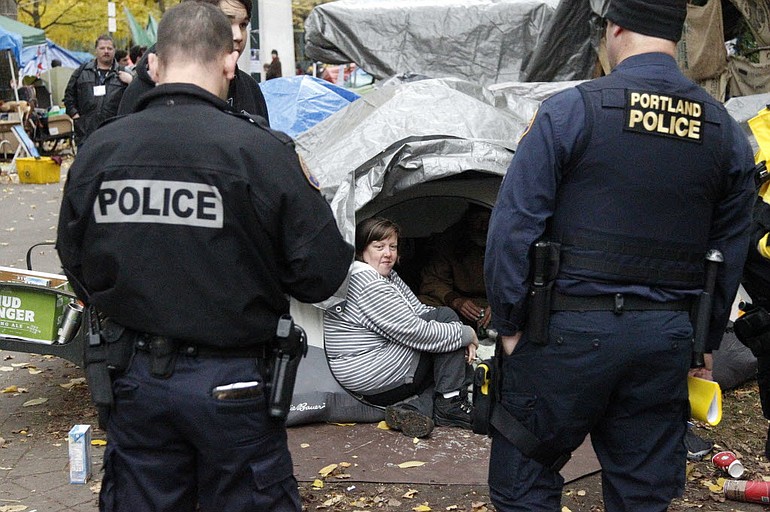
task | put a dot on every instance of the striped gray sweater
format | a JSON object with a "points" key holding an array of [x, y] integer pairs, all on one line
{"points": [[372, 344]]}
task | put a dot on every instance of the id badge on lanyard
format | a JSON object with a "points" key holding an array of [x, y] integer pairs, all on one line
{"points": [[100, 90]]}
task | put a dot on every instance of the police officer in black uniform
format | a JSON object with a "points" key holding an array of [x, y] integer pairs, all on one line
{"points": [[635, 176], [187, 228]]}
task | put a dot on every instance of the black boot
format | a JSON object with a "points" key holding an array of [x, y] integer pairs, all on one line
{"points": [[453, 412]]}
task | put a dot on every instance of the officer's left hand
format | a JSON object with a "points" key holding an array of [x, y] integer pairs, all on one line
{"points": [[705, 372]]}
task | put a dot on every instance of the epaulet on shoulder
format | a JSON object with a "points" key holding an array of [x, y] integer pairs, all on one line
{"points": [[260, 122]]}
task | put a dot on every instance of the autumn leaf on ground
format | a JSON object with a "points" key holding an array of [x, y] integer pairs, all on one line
{"points": [[34, 401], [98, 442], [318, 484], [10, 389], [411, 464], [422, 508], [334, 500], [717, 487], [324, 471], [410, 493], [383, 426], [13, 508], [80, 381]]}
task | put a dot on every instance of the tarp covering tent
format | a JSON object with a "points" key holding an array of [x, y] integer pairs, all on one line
{"points": [[398, 136], [483, 41], [297, 103], [37, 59], [30, 36]]}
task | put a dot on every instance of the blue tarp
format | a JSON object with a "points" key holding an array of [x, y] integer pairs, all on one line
{"points": [[36, 59], [11, 41], [297, 103]]}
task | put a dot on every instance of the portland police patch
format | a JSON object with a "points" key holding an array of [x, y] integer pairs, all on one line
{"points": [[664, 115], [310, 178]]}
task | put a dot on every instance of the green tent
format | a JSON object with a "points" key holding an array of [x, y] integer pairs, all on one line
{"points": [[30, 36]]}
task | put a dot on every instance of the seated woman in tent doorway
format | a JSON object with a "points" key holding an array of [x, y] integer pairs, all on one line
{"points": [[395, 351]]}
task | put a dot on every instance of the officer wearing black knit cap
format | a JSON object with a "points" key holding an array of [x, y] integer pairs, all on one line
{"points": [[632, 178]]}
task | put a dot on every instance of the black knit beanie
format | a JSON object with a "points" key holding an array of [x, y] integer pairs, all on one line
{"points": [[656, 18]]}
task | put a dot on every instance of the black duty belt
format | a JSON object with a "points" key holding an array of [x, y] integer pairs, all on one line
{"points": [[257, 351], [617, 303]]}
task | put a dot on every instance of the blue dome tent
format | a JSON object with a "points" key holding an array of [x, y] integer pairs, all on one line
{"points": [[297, 103]]}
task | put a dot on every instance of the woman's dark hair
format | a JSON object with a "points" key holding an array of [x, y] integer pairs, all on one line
{"points": [[372, 230]]}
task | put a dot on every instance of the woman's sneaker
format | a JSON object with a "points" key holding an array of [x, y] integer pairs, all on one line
{"points": [[408, 420], [453, 412]]}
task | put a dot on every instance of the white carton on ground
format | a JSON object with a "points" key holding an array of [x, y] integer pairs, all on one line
{"points": [[80, 454]]}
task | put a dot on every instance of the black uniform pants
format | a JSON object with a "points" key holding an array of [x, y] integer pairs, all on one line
{"points": [[173, 447], [621, 378]]}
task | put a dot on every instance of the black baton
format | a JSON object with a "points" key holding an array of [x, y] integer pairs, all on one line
{"points": [[703, 314]]}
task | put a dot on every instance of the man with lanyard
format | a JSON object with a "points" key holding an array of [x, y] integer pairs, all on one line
{"points": [[636, 177], [189, 258], [95, 89]]}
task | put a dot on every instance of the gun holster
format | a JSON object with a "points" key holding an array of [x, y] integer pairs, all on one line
{"points": [[752, 329], [545, 267], [289, 347], [108, 350]]}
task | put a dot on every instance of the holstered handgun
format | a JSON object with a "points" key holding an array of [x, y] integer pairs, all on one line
{"points": [[95, 360], [107, 350], [289, 347], [545, 266]]}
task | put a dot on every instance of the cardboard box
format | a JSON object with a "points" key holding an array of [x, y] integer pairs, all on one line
{"points": [[80, 454], [17, 275], [31, 313], [38, 170]]}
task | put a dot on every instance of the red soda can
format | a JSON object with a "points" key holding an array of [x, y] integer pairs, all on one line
{"points": [[752, 491]]}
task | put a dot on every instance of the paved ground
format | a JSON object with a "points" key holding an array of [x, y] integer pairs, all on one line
{"points": [[42, 397]]}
